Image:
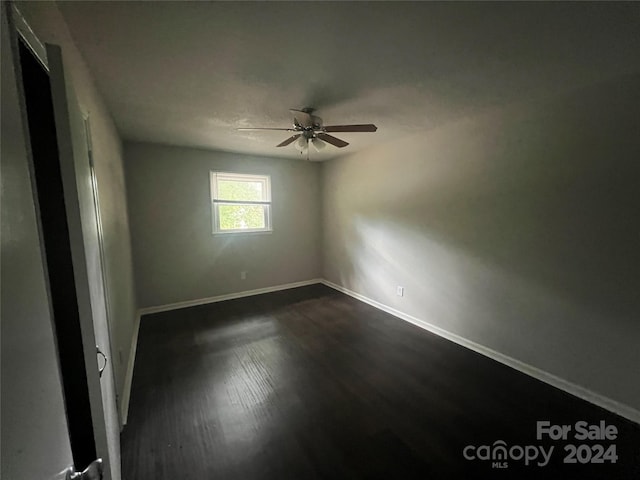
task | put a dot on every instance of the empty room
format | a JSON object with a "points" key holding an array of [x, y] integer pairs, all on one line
{"points": [[320, 240]]}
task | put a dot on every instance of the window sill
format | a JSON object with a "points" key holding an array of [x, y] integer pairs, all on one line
{"points": [[242, 232]]}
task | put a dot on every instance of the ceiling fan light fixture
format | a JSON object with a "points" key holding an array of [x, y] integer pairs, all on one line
{"points": [[318, 144], [309, 129], [302, 143]]}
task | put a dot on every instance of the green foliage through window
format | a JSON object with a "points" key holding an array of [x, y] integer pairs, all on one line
{"points": [[235, 190], [234, 217]]}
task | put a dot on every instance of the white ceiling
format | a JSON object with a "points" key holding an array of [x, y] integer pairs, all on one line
{"points": [[190, 73]]}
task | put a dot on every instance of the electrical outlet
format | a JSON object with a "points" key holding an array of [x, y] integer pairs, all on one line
{"points": [[243, 275], [400, 291]]}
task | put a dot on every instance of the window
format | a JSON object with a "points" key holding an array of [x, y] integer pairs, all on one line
{"points": [[240, 202]]}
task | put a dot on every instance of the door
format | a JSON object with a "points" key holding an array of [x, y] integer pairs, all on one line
{"points": [[103, 334], [78, 182]]}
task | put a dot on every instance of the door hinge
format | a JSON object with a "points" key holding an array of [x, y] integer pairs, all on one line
{"points": [[92, 472]]}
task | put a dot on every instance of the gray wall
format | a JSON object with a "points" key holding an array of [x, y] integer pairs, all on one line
{"points": [[516, 229], [49, 25], [176, 256]]}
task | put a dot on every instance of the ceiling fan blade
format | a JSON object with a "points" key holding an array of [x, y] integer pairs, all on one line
{"points": [[302, 118], [369, 127], [332, 140], [248, 129], [288, 141]]}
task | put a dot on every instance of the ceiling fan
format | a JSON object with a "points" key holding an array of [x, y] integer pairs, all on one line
{"points": [[310, 131]]}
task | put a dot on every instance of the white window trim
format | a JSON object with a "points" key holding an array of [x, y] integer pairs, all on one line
{"points": [[265, 179]]}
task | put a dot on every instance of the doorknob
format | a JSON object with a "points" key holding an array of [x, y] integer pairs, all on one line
{"points": [[92, 472], [104, 358]]}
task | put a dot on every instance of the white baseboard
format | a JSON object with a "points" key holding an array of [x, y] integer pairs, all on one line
{"points": [[228, 296], [546, 377], [128, 377]]}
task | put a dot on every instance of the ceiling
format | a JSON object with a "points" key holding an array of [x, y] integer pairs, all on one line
{"points": [[190, 73]]}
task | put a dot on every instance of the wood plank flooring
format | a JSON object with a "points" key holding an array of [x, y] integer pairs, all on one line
{"points": [[311, 384]]}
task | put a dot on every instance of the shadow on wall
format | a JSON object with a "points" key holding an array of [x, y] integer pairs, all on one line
{"points": [[550, 194], [523, 221]]}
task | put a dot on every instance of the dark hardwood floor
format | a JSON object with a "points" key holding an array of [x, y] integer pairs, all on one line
{"points": [[311, 384]]}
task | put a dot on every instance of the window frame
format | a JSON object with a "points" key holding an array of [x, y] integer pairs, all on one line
{"points": [[214, 176]]}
